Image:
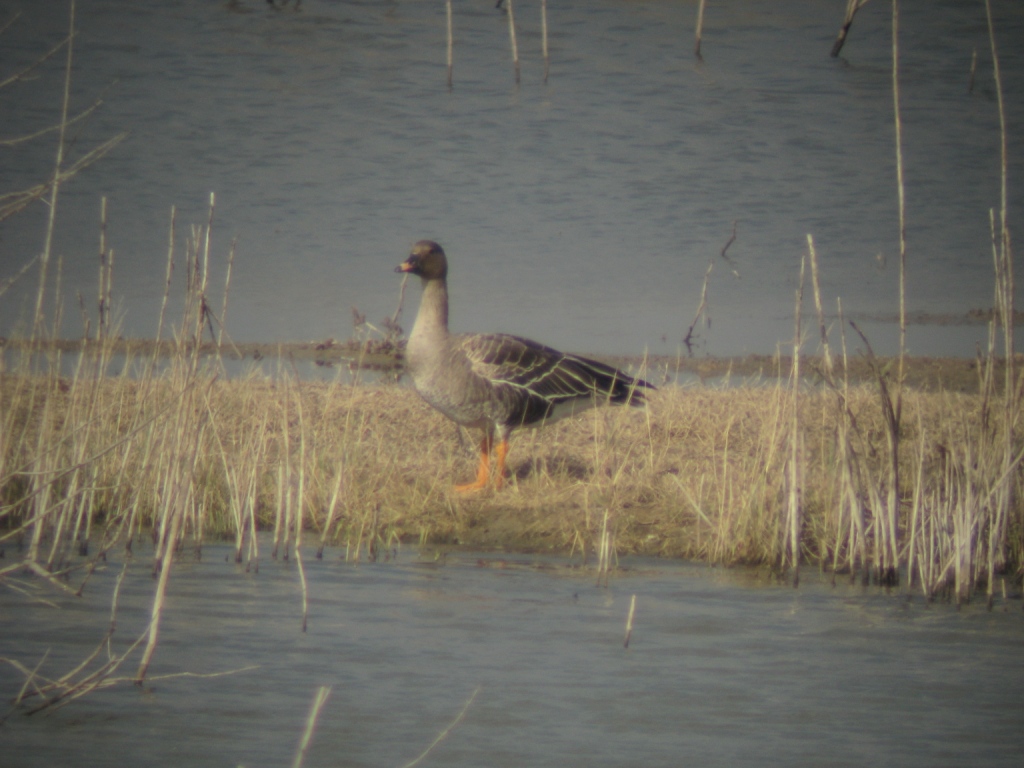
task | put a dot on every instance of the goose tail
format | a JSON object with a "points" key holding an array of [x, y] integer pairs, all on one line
{"points": [[619, 388]]}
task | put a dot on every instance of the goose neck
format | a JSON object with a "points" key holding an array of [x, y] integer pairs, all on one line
{"points": [[432, 319]]}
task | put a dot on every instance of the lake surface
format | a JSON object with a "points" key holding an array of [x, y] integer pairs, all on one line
{"points": [[724, 668], [582, 212]]}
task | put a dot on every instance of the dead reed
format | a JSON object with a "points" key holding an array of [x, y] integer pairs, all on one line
{"points": [[512, 38], [91, 462], [852, 6], [307, 735], [451, 42], [544, 38], [629, 621], [698, 32]]}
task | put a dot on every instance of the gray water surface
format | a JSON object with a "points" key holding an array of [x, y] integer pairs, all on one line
{"points": [[582, 212], [724, 668]]}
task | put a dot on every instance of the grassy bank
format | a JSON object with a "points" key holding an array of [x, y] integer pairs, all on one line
{"points": [[748, 474], [907, 472]]}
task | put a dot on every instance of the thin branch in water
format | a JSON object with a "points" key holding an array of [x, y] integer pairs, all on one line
{"points": [[8, 282], [227, 286], [444, 734], [314, 712], [629, 621], [30, 679], [699, 32], [393, 323], [512, 38], [690, 338], [15, 141], [900, 190], [44, 258], [7, 25], [544, 37], [852, 6], [451, 55], [725, 255], [46, 56], [819, 309]]}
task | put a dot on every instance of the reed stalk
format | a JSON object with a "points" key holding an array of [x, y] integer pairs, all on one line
{"points": [[699, 30], [300, 502], [167, 281], [702, 307], [604, 551], [332, 512], [102, 299], [629, 621], [55, 182], [222, 320], [887, 536], [901, 198], [852, 6], [445, 732], [512, 38], [450, 47], [706, 475], [795, 472], [307, 735], [1004, 307], [544, 38], [179, 471]]}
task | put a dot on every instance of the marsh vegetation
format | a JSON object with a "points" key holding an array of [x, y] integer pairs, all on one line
{"points": [[185, 454], [837, 461]]}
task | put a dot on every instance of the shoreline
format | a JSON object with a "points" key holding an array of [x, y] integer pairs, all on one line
{"points": [[759, 473], [926, 373]]}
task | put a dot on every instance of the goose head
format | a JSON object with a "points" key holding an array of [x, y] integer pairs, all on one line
{"points": [[426, 260]]}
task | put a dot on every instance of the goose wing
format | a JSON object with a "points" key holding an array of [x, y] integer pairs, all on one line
{"points": [[541, 378]]}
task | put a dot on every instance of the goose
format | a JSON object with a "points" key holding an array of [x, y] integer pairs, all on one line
{"points": [[497, 382]]}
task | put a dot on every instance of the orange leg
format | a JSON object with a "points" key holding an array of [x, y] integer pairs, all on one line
{"points": [[502, 452], [483, 472]]}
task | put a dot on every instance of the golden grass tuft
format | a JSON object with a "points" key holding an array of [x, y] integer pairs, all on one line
{"points": [[700, 473]]}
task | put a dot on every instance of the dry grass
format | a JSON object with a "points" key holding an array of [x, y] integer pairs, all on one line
{"points": [[701, 473], [90, 462]]}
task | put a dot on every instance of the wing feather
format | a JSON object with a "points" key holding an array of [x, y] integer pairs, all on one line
{"points": [[541, 378]]}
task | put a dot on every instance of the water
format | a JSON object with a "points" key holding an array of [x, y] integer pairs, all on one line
{"points": [[582, 212], [723, 668]]}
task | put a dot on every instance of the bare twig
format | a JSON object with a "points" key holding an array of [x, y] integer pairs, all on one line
{"points": [[698, 33], [314, 712], [544, 37], [512, 39], [44, 257], [689, 339], [7, 25], [448, 11], [444, 733], [8, 282], [795, 474], [25, 71], [629, 621], [852, 6]]}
